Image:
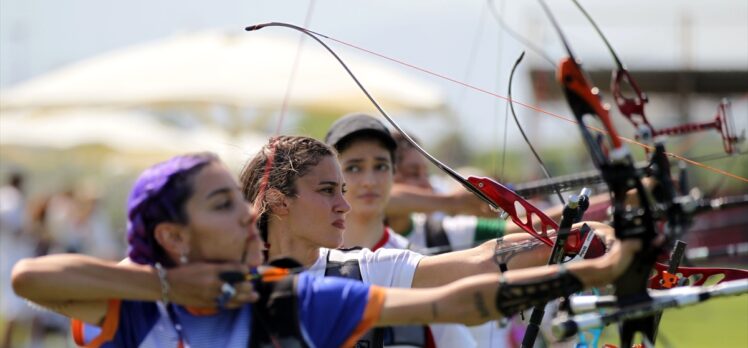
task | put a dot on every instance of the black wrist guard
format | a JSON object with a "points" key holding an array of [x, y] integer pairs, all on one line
{"points": [[513, 298]]}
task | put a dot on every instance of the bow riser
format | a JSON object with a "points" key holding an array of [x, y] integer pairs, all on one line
{"points": [[508, 200]]}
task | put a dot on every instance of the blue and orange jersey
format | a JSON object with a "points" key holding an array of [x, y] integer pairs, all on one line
{"points": [[333, 312]]}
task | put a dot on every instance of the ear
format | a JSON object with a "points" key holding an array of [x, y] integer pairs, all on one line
{"points": [[277, 202], [173, 237]]}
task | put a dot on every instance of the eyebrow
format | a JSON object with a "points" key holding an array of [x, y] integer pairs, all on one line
{"points": [[359, 160], [327, 182]]}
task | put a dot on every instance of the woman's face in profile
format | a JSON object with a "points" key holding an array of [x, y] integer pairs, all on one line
{"points": [[220, 222]]}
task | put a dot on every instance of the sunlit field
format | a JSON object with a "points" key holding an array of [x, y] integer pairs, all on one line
{"points": [[721, 322]]}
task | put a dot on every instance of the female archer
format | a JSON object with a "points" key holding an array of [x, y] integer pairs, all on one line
{"points": [[190, 234], [303, 213]]}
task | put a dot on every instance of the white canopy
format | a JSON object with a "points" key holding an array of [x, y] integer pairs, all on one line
{"points": [[243, 70], [127, 132]]}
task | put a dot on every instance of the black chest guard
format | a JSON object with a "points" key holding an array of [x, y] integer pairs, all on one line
{"points": [[275, 317]]}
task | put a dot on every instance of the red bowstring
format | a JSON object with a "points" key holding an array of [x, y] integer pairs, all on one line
{"points": [[536, 108]]}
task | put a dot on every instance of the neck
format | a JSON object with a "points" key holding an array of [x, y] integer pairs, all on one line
{"points": [[282, 245], [363, 231]]}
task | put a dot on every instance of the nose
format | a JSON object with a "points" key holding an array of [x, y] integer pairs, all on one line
{"points": [[341, 205], [369, 179]]}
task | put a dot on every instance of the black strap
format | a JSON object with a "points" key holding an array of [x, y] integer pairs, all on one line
{"points": [[436, 236], [275, 315], [512, 298]]}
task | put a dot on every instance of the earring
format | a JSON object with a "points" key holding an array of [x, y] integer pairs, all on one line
{"points": [[183, 258]]}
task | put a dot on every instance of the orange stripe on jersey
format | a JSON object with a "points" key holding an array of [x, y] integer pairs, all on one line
{"points": [[370, 317], [201, 311], [108, 329], [76, 327], [274, 274]]}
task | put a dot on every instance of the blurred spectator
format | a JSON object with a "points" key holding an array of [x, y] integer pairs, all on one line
{"points": [[92, 226], [60, 219], [78, 224], [15, 244]]}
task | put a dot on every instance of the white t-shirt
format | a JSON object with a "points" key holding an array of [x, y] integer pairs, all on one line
{"points": [[385, 267]]}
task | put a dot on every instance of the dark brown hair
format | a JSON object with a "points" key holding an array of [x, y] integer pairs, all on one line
{"points": [[277, 166]]}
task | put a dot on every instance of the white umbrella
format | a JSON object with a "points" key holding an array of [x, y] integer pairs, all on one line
{"points": [[128, 132], [247, 70]]}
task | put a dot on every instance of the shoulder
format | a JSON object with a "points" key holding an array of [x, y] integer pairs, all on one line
{"points": [[396, 240]]}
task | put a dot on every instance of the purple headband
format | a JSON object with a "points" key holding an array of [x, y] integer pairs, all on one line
{"points": [[148, 189]]}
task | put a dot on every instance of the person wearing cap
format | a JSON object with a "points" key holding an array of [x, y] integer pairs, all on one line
{"points": [[442, 222], [192, 277], [366, 151], [369, 154]]}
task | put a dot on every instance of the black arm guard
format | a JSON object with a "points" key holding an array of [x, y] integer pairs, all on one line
{"points": [[513, 298]]}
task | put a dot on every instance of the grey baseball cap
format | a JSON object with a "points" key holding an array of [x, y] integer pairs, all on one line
{"points": [[359, 124]]}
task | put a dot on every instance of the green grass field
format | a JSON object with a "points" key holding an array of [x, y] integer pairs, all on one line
{"points": [[719, 322]]}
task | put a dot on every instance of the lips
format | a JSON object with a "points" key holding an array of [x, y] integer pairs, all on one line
{"points": [[339, 223], [368, 196]]}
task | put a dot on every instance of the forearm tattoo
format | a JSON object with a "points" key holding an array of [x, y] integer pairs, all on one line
{"points": [[505, 251]]}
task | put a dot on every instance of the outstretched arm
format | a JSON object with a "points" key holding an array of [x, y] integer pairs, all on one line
{"points": [[480, 298], [79, 286], [407, 199], [516, 251]]}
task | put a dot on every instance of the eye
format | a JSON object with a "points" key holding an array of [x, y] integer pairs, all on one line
{"points": [[343, 190], [328, 190], [382, 167], [353, 168], [226, 204]]}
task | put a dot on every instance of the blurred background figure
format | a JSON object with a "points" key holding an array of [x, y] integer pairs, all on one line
{"points": [[15, 243], [436, 222]]}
